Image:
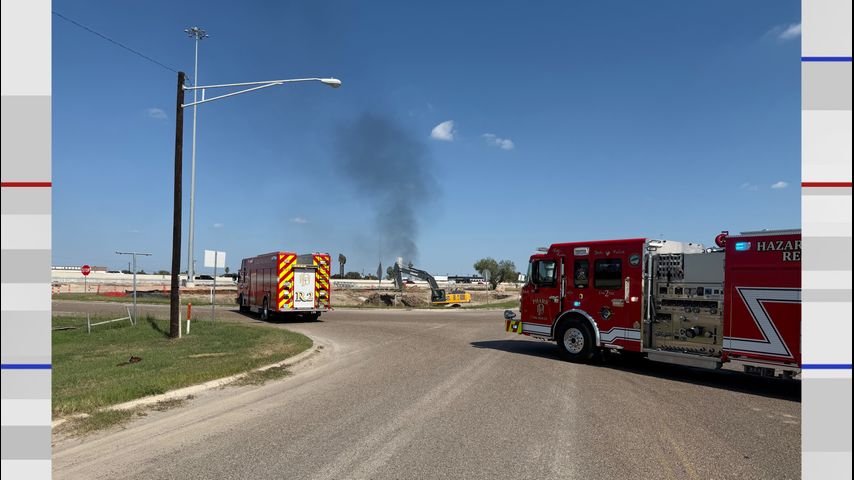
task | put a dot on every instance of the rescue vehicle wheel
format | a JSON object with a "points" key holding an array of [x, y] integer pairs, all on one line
{"points": [[265, 312], [574, 341]]}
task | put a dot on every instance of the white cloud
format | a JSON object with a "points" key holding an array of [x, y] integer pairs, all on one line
{"points": [[783, 33], [749, 187], [779, 185], [156, 113], [495, 141], [444, 131], [299, 220], [790, 32], [218, 225]]}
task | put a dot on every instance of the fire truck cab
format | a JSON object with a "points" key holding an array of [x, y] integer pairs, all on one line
{"points": [[672, 302]]}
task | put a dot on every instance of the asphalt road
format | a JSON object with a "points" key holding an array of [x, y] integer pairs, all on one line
{"points": [[448, 394]]}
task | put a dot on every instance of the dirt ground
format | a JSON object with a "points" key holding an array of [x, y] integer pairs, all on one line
{"points": [[413, 297]]}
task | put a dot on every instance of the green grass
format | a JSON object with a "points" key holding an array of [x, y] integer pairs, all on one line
{"points": [[200, 300], [87, 375]]}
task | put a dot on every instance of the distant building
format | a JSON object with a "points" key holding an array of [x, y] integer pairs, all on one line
{"points": [[465, 278], [77, 267]]}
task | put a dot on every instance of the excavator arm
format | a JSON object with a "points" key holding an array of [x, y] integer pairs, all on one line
{"points": [[436, 294]]}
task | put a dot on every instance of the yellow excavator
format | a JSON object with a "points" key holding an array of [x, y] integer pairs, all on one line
{"points": [[438, 296]]}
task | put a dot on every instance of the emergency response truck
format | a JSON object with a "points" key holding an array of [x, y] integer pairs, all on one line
{"points": [[285, 283], [670, 301]]}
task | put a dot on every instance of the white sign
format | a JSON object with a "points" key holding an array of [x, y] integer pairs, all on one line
{"points": [[214, 259]]}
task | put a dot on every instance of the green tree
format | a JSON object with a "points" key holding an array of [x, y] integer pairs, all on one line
{"points": [[503, 271], [353, 276]]}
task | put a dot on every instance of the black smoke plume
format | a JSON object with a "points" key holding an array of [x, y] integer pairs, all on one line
{"points": [[391, 171]]}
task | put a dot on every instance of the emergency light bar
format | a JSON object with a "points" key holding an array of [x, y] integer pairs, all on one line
{"points": [[742, 246]]}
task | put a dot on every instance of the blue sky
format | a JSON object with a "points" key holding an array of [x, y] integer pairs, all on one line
{"points": [[570, 121]]}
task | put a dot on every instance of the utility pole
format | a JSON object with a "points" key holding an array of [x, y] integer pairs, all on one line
{"points": [[174, 296], [198, 34], [133, 270]]}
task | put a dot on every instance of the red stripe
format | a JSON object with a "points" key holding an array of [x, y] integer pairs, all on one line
{"points": [[826, 184], [25, 184]]}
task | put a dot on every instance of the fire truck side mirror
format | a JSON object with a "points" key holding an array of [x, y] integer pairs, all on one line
{"points": [[509, 315]]}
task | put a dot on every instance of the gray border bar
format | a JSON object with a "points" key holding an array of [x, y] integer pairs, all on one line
{"points": [[809, 295], [25, 443], [826, 424], [26, 337], [25, 139], [25, 201], [826, 253], [826, 86], [840, 191], [25, 266], [24, 384]]}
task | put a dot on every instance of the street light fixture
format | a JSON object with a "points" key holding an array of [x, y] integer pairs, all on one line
{"points": [[174, 305]]}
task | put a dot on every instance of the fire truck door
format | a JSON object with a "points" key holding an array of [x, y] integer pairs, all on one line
{"points": [[304, 288], [607, 302], [545, 292]]}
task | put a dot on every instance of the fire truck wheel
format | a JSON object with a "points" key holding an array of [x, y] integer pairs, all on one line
{"points": [[574, 341], [265, 312]]}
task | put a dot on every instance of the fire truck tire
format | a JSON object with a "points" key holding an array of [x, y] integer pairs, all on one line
{"points": [[265, 312], [243, 308], [575, 341]]}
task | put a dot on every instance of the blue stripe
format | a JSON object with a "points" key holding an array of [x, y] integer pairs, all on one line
{"points": [[826, 366], [25, 366], [825, 59]]}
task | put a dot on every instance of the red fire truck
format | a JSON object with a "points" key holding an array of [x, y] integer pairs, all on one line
{"points": [[670, 301], [284, 282]]}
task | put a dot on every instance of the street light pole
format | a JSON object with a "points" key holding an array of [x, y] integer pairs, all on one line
{"points": [[198, 34], [133, 270], [174, 298]]}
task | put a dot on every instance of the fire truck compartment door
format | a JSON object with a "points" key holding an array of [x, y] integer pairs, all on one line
{"points": [[304, 288]]}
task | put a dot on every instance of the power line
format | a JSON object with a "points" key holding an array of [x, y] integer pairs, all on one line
{"points": [[114, 42]]}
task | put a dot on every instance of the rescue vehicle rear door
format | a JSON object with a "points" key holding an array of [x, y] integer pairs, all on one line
{"points": [[304, 279]]}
